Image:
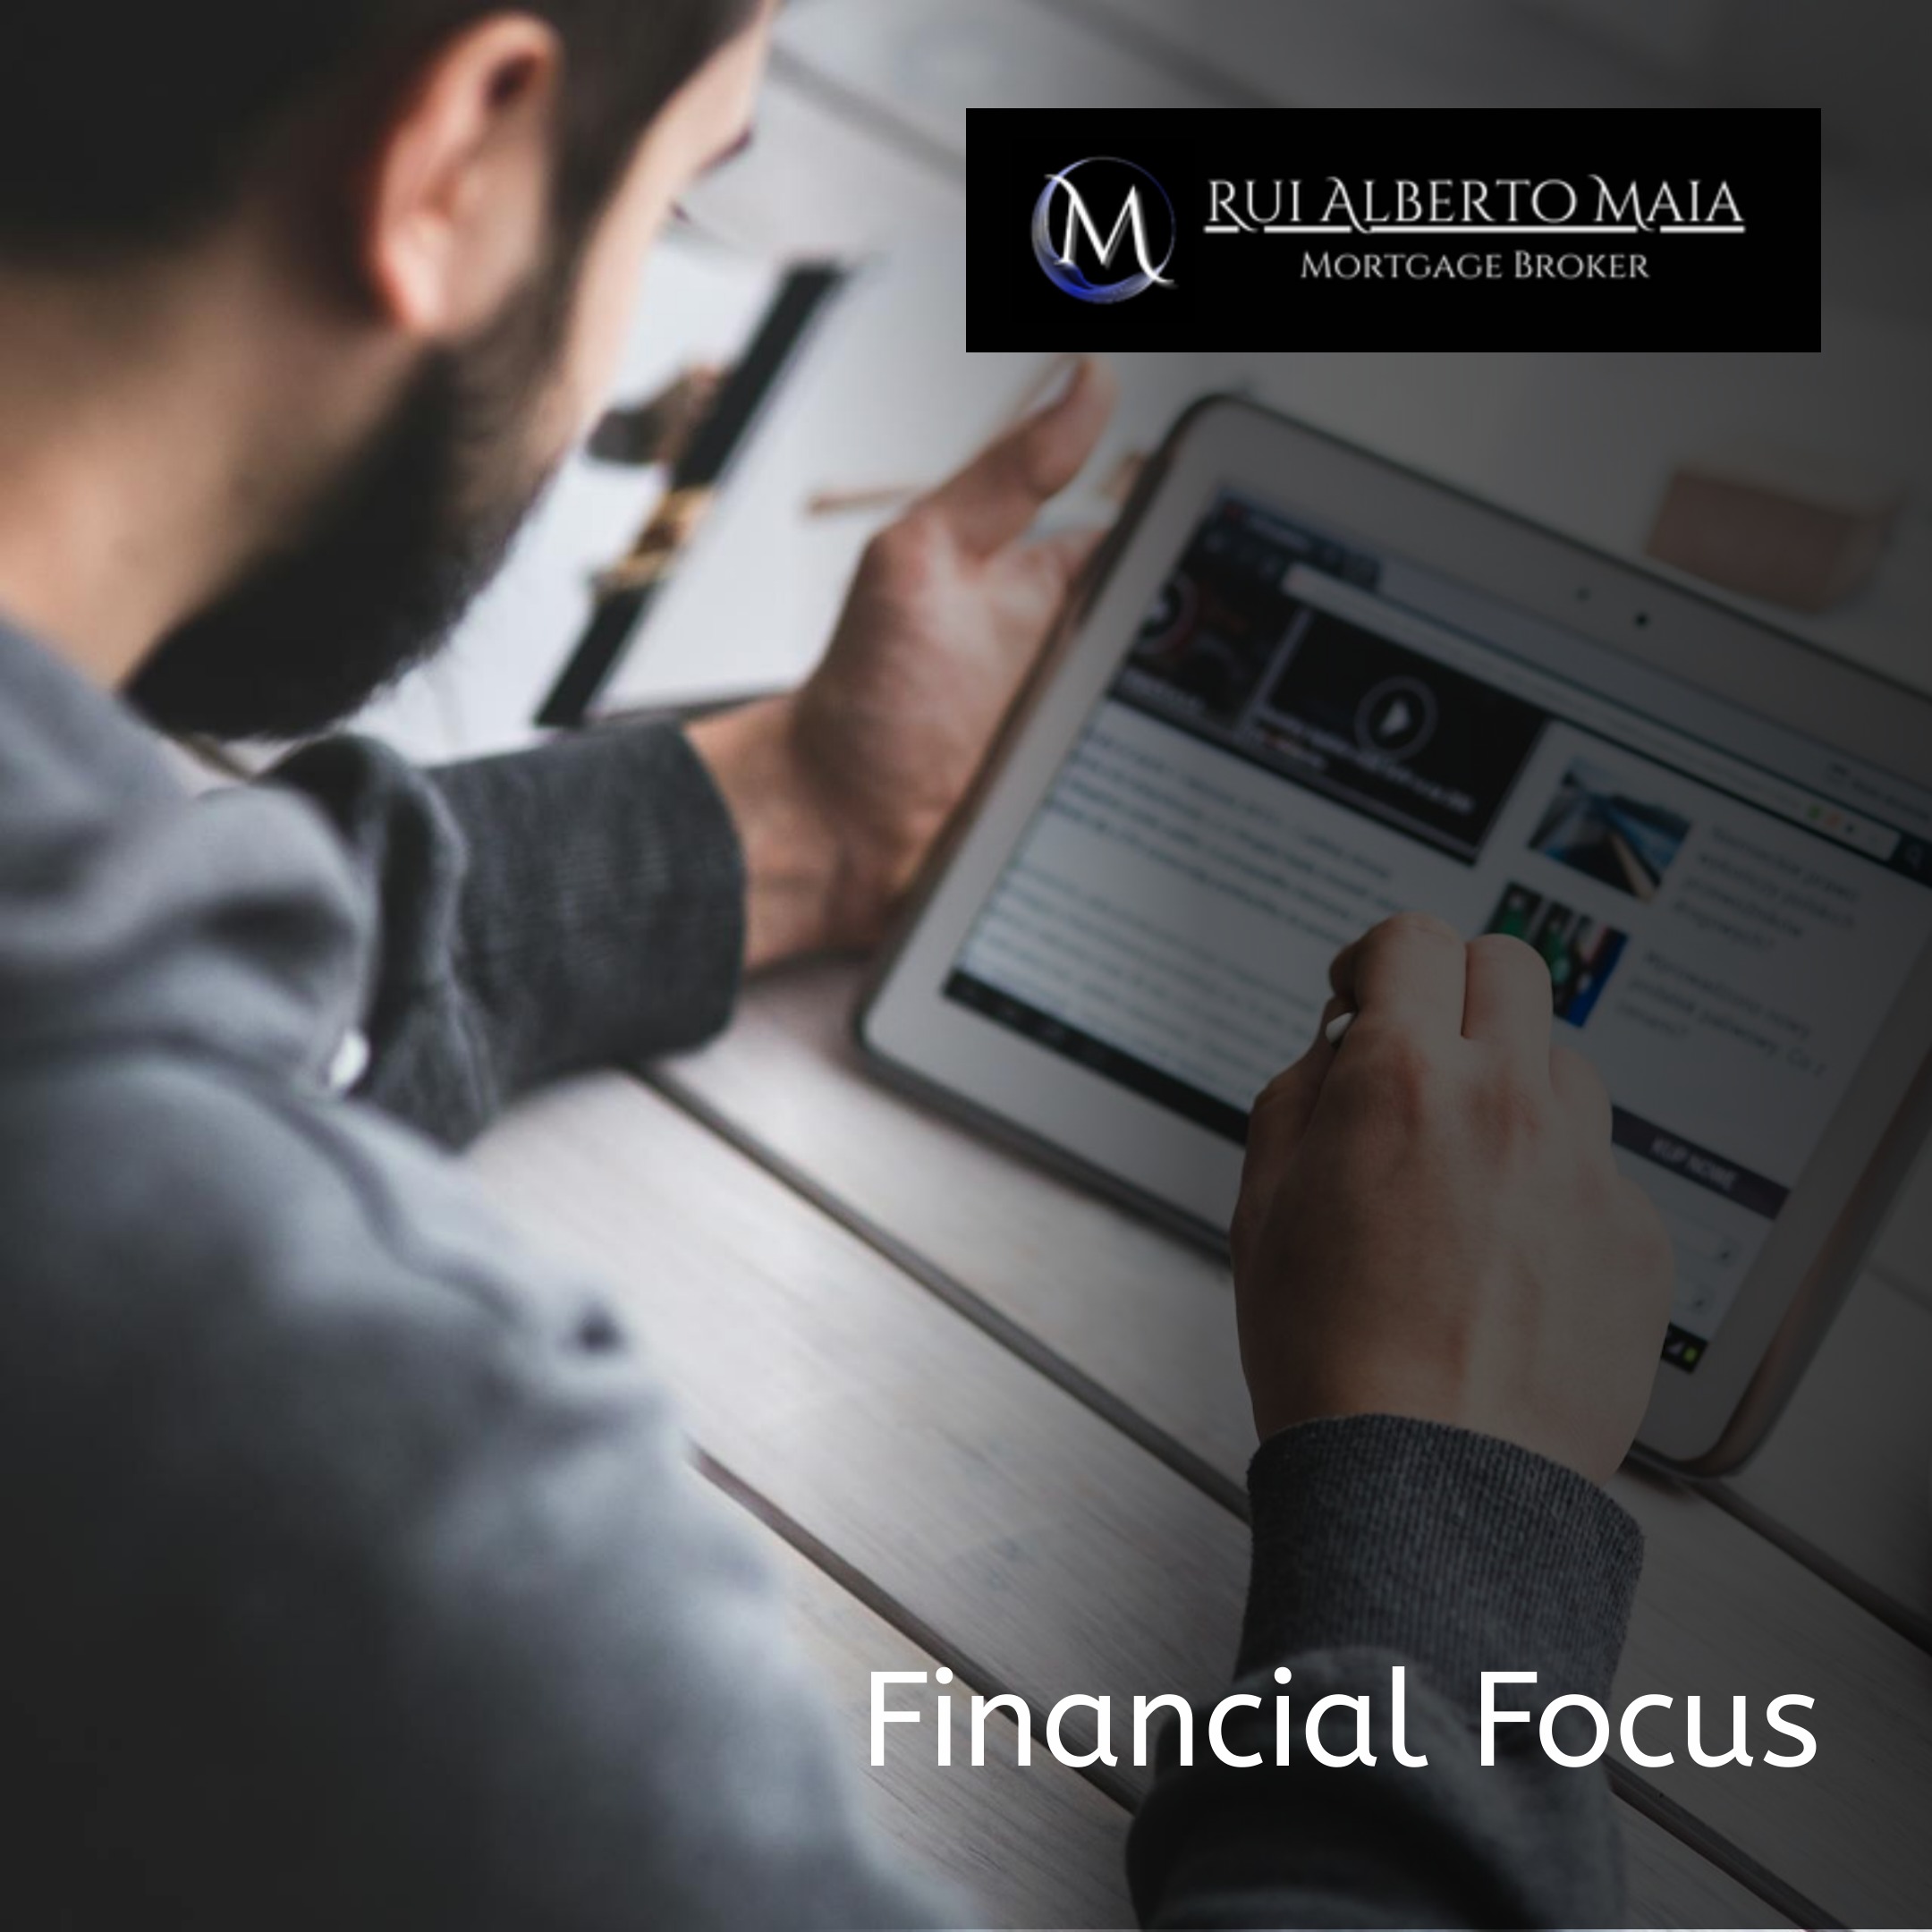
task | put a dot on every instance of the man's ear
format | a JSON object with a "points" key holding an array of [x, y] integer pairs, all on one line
{"points": [[457, 199]]}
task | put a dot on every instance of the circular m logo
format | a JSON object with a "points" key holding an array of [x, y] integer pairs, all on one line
{"points": [[1094, 212]]}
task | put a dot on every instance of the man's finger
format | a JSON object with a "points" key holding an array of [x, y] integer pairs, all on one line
{"points": [[1412, 971], [996, 498], [1284, 1108], [1507, 1003]]}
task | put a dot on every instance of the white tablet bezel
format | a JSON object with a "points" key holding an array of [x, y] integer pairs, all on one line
{"points": [[1187, 1174]]}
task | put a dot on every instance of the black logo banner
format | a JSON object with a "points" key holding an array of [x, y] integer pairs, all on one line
{"points": [[1257, 229]]}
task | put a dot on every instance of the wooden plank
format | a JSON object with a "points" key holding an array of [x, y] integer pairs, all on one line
{"points": [[1147, 1318], [1904, 1253], [1669, 1886], [1849, 1467], [1038, 1847]]}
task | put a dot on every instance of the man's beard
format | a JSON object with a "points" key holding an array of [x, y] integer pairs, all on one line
{"points": [[376, 578]]}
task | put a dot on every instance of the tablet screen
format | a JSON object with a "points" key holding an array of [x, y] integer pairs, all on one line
{"points": [[1307, 736]]}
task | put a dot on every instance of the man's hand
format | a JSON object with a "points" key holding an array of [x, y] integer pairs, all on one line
{"points": [[840, 793], [1431, 1223]]}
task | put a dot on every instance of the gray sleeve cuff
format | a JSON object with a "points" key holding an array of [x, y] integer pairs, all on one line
{"points": [[1380, 1542], [1456, 1551], [569, 907], [603, 916]]}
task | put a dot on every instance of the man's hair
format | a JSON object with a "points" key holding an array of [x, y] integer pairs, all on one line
{"points": [[130, 125]]}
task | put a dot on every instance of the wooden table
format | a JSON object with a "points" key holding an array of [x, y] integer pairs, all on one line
{"points": [[983, 1419], [980, 1418]]}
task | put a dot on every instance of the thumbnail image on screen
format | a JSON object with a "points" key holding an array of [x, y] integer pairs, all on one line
{"points": [[1595, 828], [1582, 953]]}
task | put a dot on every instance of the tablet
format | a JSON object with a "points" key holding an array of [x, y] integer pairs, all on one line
{"points": [[1307, 689]]}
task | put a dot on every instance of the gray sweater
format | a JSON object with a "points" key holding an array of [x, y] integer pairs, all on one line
{"points": [[354, 1574]]}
